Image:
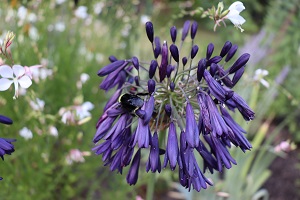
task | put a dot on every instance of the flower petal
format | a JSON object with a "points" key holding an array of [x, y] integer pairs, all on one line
{"points": [[6, 71], [5, 84], [18, 70], [25, 82], [238, 6]]}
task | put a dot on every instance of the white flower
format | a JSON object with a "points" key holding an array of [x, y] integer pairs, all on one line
{"points": [[83, 110], [234, 14], [258, 76], [75, 155], [53, 131], [81, 12], [26, 133], [15, 75], [37, 105], [60, 1]]}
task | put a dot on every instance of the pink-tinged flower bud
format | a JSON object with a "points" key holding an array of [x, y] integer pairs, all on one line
{"points": [[164, 62], [174, 52], [240, 62], [135, 62], [184, 61], [225, 48], [173, 33], [210, 50], [194, 29], [168, 110], [201, 68], [185, 29], [151, 86], [194, 51], [231, 52], [150, 31], [112, 59], [152, 68], [112, 67]]}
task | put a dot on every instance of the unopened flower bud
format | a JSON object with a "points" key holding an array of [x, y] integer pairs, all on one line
{"points": [[170, 68], [240, 62], [185, 29], [112, 58], [164, 62], [157, 49], [151, 86], [215, 59], [194, 51], [238, 74], [136, 80], [172, 86], [152, 68], [135, 62], [209, 51], [168, 109], [173, 33], [150, 31], [184, 61], [213, 69], [194, 29], [201, 68], [231, 52], [174, 52], [225, 48]]}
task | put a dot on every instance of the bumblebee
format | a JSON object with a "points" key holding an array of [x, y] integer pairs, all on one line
{"points": [[131, 102]]}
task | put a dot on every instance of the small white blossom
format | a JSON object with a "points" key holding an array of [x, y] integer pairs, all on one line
{"points": [[259, 74], [81, 12], [83, 110], [75, 155], [26, 133], [15, 74], [53, 131], [37, 105], [234, 14]]}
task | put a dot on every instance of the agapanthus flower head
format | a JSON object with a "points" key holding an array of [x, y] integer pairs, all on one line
{"points": [[163, 100]]}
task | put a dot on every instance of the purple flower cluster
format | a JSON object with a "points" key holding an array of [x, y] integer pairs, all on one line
{"points": [[174, 109], [6, 146]]}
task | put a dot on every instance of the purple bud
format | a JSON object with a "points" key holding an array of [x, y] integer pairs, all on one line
{"points": [[174, 52], [225, 79], [111, 67], [164, 62], [213, 69], [215, 59], [201, 68], [157, 49], [151, 86], [184, 61], [112, 59], [135, 62], [172, 86], [210, 50], [225, 48], [136, 80], [172, 147], [173, 33], [194, 51], [238, 74], [150, 31], [152, 68], [133, 172], [5, 120], [240, 62], [194, 29], [170, 68], [231, 52], [215, 88], [191, 129], [168, 109], [185, 29]]}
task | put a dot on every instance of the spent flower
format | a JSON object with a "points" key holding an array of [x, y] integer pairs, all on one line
{"points": [[161, 100]]}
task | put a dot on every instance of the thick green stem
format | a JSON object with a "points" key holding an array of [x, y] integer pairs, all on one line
{"points": [[150, 187]]}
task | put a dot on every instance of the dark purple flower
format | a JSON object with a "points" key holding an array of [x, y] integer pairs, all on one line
{"points": [[213, 69], [120, 64], [174, 52], [194, 51], [149, 108], [164, 62], [113, 99], [231, 52], [153, 162], [237, 75], [135, 62], [5, 120], [168, 110], [214, 87], [194, 29], [224, 77], [184, 61], [133, 173], [172, 86], [157, 49], [173, 33], [201, 68], [6, 147], [151, 86], [191, 130], [215, 60], [152, 68], [149, 31], [239, 63], [243, 107], [185, 29], [225, 48], [172, 151], [112, 59], [210, 50]]}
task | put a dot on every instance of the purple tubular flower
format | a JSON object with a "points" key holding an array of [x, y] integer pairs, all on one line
{"points": [[225, 48], [133, 173], [243, 107], [113, 99], [172, 151], [151, 86], [214, 87], [215, 60], [173, 33], [172, 86], [237, 75], [164, 62], [103, 127], [152, 68], [5, 120], [117, 128], [170, 68], [239, 63], [185, 29], [117, 77], [191, 130], [157, 49], [201, 68], [141, 113], [225, 79], [174, 52], [149, 31], [210, 50], [135, 62], [194, 51], [210, 162], [194, 29], [204, 112], [168, 110], [231, 52], [6, 147], [213, 69], [112, 59], [149, 108], [112, 67], [184, 61], [154, 159]]}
